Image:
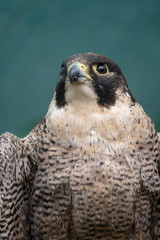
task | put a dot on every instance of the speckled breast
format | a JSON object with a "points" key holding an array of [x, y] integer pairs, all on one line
{"points": [[84, 194], [104, 192]]}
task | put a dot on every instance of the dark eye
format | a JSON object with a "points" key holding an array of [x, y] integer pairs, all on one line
{"points": [[101, 68]]}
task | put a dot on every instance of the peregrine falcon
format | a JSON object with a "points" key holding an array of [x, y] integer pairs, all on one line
{"points": [[90, 169]]}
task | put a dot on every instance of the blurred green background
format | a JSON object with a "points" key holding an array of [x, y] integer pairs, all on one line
{"points": [[35, 37]]}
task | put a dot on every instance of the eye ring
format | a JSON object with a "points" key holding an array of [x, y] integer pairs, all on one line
{"points": [[101, 68]]}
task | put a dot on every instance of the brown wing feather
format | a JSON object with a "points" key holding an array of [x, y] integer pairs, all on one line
{"points": [[15, 165]]}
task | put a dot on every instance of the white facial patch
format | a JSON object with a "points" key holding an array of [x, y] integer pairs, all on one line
{"points": [[80, 93]]}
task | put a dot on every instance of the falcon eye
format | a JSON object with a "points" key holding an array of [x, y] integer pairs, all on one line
{"points": [[101, 68]]}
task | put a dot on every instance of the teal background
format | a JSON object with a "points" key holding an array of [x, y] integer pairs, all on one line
{"points": [[35, 37]]}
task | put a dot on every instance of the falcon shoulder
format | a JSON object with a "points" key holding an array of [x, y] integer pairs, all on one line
{"points": [[15, 174]]}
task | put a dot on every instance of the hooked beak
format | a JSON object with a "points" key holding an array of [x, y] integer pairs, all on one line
{"points": [[77, 73]]}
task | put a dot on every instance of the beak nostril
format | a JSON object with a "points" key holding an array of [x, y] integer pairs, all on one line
{"points": [[82, 67]]}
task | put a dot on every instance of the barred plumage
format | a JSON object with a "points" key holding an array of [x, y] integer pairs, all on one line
{"points": [[89, 169]]}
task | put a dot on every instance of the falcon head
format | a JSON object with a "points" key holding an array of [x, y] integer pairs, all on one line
{"points": [[91, 77]]}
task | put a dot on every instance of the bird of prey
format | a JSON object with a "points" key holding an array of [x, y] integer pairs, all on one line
{"points": [[90, 169]]}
